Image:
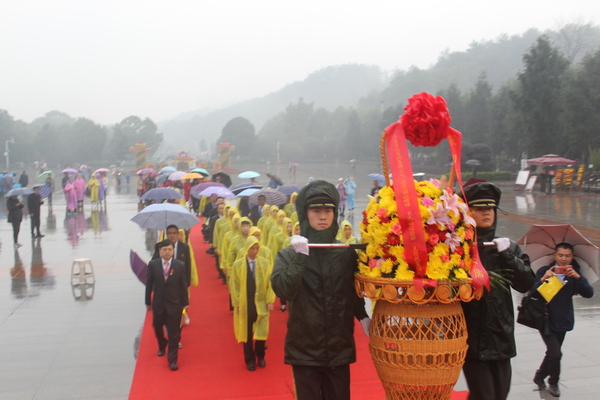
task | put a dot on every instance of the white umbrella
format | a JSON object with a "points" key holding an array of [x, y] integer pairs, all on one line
{"points": [[177, 175], [248, 175], [540, 242], [159, 216]]}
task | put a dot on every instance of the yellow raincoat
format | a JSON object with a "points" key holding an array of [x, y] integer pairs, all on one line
{"points": [[264, 295], [94, 186], [266, 215], [222, 226], [290, 207], [342, 237], [264, 250], [278, 239], [225, 258], [289, 238]]}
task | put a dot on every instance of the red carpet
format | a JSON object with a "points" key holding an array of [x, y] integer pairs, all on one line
{"points": [[211, 363]]}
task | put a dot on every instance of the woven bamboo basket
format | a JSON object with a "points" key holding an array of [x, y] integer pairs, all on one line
{"points": [[418, 337]]}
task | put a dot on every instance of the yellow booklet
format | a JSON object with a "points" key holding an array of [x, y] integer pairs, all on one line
{"points": [[549, 288]]}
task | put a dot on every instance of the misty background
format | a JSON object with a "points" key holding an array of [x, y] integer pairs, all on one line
{"points": [[530, 93]]}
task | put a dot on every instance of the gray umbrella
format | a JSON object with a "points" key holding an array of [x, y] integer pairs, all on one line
{"points": [[19, 191], [160, 194]]}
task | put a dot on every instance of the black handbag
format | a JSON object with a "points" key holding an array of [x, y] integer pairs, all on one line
{"points": [[532, 311]]}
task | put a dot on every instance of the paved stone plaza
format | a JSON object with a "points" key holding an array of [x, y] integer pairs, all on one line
{"points": [[59, 341]]}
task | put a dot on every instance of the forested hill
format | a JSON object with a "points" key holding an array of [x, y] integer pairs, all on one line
{"points": [[364, 87], [329, 88]]}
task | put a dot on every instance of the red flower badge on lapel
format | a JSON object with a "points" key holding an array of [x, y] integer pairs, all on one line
{"points": [[171, 273]]}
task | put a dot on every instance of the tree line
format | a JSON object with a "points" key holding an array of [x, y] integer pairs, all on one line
{"points": [[61, 140], [551, 105]]}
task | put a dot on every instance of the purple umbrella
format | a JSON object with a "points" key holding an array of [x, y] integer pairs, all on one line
{"points": [[195, 190], [288, 189], [145, 171], [69, 171], [160, 194], [218, 190], [138, 266]]}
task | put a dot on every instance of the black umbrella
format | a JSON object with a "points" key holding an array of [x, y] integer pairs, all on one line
{"points": [[237, 189], [223, 178], [276, 179]]}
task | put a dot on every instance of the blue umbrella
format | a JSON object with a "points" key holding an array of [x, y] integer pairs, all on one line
{"points": [[160, 194], [248, 175], [159, 216], [218, 190], [168, 169], [247, 192], [201, 171], [377, 177], [19, 191], [288, 189], [45, 190]]}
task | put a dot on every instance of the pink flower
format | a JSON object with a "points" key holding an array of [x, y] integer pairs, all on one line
{"points": [[452, 241], [397, 229], [439, 216], [427, 201], [452, 203], [445, 257]]}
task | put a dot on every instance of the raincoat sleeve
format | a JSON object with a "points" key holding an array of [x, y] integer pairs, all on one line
{"points": [[287, 273], [517, 261], [234, 282]]}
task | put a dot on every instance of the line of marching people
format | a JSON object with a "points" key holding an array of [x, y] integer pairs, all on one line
{"points": [[244, 257]]}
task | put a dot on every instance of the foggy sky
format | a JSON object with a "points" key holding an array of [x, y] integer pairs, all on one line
{"points": [[106, 60]]}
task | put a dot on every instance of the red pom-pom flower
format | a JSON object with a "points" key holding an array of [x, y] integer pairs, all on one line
{"points": [[426, 120]]}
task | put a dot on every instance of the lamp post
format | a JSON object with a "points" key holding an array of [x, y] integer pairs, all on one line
{"points": [[6, 151]]}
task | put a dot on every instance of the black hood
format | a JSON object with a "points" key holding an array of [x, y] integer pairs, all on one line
{"points": [[317, 188]]}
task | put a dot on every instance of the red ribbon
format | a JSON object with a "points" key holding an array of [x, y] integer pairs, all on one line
{"points": [[407, 203]]}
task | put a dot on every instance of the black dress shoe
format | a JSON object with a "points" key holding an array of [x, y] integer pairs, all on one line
{"points": [[40, 235], [251, 366], [554, 390], [161, 353], [174, 367], [540, 383], [262, 362]]}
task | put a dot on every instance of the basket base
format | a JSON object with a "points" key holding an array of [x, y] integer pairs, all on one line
{"points": [[418, 349]]}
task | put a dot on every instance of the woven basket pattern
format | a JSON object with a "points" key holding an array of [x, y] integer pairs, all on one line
{"points": [[418, 349]]}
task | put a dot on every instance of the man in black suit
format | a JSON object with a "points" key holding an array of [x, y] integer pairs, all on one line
{"points": [[181, 251], [34, 204], [167, 279], [257, 210]]}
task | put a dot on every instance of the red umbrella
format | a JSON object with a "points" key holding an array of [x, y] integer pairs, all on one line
{"points": [[550, 159]]}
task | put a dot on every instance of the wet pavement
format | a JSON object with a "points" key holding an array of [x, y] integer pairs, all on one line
{"points": [[64, 341]]}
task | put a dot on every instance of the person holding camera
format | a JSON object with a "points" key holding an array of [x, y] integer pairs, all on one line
{"points": [[560, 313]]}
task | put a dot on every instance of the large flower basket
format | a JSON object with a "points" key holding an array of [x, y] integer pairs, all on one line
{"points": [[420, 262]]}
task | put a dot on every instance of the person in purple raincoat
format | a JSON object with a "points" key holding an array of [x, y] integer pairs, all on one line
{"points": [[101, 189]]}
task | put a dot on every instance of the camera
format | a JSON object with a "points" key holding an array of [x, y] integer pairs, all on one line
{"points": [[561, 270]]}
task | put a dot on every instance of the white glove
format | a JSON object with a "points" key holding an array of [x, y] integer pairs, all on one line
{"points": [[502, 244], [366, 324], [299, 244]]}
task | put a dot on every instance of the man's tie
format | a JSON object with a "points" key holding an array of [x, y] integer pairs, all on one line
{"points": [[252, 267], [166, 270], [260, 210]]}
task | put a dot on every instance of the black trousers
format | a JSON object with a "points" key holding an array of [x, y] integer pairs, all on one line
{"points": [[171, 321], [16, 228], [35, 223], [550, 366], [488, 380], [322, 383]]}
